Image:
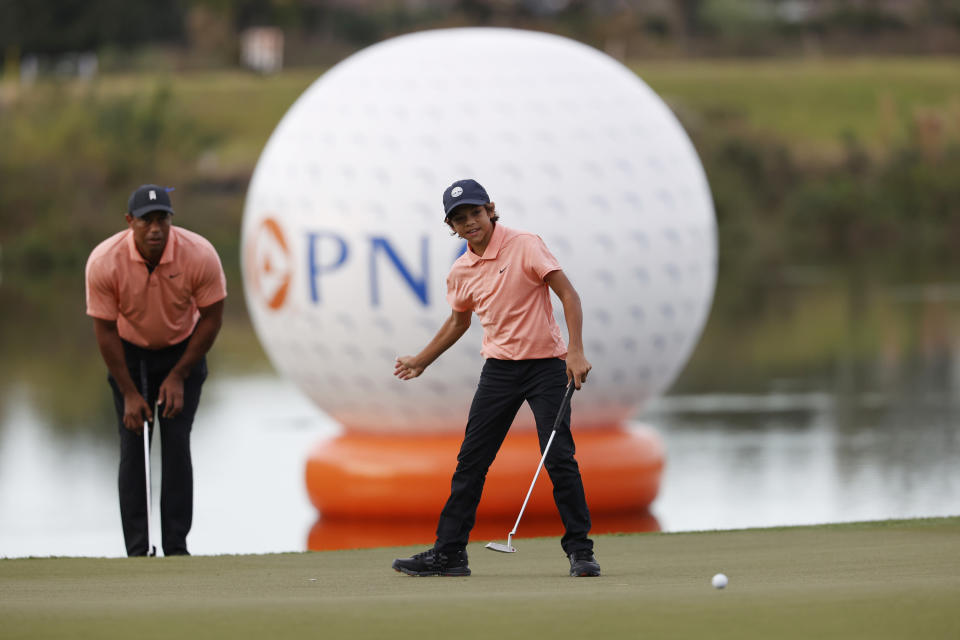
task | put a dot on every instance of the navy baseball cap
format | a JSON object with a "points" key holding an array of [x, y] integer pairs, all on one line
{"points": [[147, 198], [463, 192]]}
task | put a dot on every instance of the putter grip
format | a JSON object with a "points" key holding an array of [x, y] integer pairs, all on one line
{"points": [[143, 382], [571, 387]]}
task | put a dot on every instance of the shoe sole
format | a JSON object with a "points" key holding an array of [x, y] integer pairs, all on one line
{"points": [[586, 572], [458, 573]]}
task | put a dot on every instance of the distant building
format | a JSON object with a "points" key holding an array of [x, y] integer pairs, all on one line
{"points": [[261, 49]]}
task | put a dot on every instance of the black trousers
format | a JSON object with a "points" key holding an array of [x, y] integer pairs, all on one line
{"points": [[176, 485], [504, 386]]}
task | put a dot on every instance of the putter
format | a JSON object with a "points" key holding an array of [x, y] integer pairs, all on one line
{"points": [[151, 548], [509, 548]]}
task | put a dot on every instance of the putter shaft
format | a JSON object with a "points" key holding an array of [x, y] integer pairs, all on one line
{"points": [[508, 548]]}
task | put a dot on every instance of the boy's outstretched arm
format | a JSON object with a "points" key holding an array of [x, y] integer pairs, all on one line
{"points": [[409, 367], [577, 364]]}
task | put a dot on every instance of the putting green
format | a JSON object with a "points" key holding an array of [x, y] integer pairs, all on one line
{"points": [[893, 579]]}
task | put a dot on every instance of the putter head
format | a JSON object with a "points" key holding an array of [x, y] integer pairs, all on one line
{"points": [[502, 548]]}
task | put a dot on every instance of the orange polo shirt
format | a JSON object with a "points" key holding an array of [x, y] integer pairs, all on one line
{"points": [[505, 287], [159, 309]]}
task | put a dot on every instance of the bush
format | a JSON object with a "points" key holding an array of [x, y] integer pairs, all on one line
{"points": [[62, 170]]}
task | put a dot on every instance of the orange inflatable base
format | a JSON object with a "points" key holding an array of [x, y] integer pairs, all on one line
{"points": [[382, 477]]}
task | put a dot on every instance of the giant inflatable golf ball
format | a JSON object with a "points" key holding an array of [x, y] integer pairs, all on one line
{"points": [[346, 252]]}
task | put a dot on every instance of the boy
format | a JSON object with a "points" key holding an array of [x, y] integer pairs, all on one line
{"points": [[504, 277]]}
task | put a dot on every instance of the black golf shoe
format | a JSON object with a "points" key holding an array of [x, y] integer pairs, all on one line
{"points": [[434, 563], [583, 564]]}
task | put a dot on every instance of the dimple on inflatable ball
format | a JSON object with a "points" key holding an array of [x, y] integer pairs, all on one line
{"points": [[345, 255]]}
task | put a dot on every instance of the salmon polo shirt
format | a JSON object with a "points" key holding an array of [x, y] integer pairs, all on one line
{"points": [[505, 287], [158, 309]]}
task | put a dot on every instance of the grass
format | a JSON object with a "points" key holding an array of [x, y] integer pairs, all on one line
{"points": [[243, 107], [810, 104], [813, 104], [879, 580]]}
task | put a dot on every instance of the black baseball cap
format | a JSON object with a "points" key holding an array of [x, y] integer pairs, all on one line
{"points": [[147, 198], [461, 192]]}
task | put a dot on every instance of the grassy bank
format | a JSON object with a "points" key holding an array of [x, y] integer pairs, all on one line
{"points": [[813, 105], [847, 166], [868, 580], [763, 129]]}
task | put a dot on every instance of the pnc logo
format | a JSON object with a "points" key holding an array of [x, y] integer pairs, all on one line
{"points": [[333, 259], [268, 264]]}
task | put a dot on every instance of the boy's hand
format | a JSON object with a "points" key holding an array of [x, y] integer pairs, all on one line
{"points": [[407, 368], [577, 368]]}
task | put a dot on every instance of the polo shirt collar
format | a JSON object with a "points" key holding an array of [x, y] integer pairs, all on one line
{"points": [[493, 248], [168, 251]]}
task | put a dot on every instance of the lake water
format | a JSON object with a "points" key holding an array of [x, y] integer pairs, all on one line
{"points": [[822, 403], [732, 461]]}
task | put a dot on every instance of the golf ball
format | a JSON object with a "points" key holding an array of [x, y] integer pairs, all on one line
{"points": [[346, 252], [719, 581]]}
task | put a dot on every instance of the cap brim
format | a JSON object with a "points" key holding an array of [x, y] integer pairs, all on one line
{"points": [[459, 203], [144, 210]]}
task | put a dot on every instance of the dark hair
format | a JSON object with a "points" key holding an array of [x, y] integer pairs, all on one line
{"points": [[490, 206]]}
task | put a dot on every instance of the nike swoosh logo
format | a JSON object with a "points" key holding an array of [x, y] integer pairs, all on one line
{"points": [[504, 269]]}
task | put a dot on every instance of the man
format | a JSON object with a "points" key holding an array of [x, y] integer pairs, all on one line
{"points": [[155, 293], [505, 277]]}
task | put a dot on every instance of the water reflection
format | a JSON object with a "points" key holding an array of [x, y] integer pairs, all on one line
{"points": [[58, 494], [827, 463], [732, 461]]}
